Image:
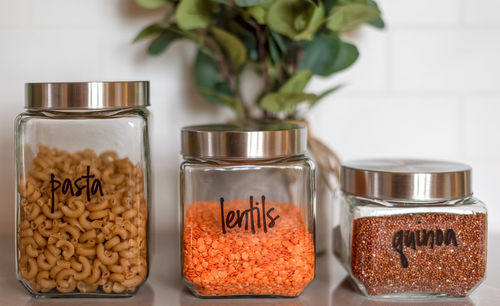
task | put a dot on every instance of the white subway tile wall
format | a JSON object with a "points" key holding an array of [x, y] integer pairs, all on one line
{"points": [[427, 86], [481, 12], [422, 13]]}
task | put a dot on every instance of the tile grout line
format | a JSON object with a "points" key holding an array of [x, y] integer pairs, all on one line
{"points": [[461, 127], [462, 14]]}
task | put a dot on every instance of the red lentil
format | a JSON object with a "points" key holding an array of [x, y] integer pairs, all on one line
{"points": [[279, 262], [451, 261]]}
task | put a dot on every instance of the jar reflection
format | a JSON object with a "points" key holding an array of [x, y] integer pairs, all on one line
{"points": [[346, 294]]}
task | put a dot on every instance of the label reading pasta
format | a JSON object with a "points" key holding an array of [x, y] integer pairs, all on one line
{"points": [[76, 187], [252, 216]]}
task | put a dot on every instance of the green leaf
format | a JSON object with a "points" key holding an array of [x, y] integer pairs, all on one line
{"points": [[296, 19], [191, 35], [327, 54], [350, 16], [193, 14], [273, 51], [329, 4], [226, 2], [314, 2], [284, 102], [148, 31], [346, 56], [282, 14], [315, 22], [280, 41], [259, 12], [272, 70], [297, 82], [207, 76], [278, 46], [247, 37], [161, 43], [236, 105], [208, 82], [344, 2], [244, 3], [151, 4], [377, 22], [231, 45], [324, 94], [300, 22]]}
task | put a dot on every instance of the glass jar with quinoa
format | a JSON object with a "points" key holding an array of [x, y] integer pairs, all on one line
{"points": [[82, 190], [247, 202], [412, 228]]}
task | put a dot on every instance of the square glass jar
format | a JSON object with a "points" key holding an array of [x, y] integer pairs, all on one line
{"points": [[247, 210], [82, 189], [411, 228]]}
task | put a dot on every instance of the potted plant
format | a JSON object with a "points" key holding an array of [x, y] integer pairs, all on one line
{"points": [[286, 42]]}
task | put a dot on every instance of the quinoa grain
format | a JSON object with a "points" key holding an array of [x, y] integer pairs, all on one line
{"points": [[397, 254]]}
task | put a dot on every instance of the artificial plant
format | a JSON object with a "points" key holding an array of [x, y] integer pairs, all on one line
{"points": [[285, 42]]}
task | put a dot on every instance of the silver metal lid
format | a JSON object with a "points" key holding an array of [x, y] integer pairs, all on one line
{"points": [[407, 180], [261, 140], [87, 95]]}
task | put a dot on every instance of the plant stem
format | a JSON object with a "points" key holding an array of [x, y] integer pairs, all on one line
{"points": [[262, 58], [228, 73], [261, 41]]}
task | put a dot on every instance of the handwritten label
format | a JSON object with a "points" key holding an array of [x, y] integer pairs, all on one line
{"points": [[423, 238], [256, 216], [77, 187]]}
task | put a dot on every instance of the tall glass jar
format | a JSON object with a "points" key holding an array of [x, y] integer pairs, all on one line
{"points": [[247, 210], [82, 191], [412, 228]]}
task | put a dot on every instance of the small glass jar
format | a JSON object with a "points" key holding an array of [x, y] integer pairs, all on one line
{"points": [[247, 210], [82, 189], [411, 228]]}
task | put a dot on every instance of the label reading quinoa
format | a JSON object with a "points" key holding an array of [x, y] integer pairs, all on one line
{"points": [[421, 238], [252, 216]]}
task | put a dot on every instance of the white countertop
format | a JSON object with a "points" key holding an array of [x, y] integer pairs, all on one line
{"points": [[165, 287]]}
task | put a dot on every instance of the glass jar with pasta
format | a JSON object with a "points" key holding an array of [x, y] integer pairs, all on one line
{"points": [[82, 189]]}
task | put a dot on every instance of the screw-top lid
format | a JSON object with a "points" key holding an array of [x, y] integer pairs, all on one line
{"points": [[87, 95], [260, 140], [407, 180]]}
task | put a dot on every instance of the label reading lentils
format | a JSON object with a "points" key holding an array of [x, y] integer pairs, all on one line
{"points": [[426, 252], [251, 216]]}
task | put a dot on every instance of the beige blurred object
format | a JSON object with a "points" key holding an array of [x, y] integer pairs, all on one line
{"points": [[327, 182]]}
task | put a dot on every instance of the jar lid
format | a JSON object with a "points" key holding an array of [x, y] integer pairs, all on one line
{"points": [[259, 140], [87, 95], [407, 180]]}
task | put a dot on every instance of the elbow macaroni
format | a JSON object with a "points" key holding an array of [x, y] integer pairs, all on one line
{"points": [[80, 245]]}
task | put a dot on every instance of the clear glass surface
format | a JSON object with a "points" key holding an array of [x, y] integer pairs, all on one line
{"points": [[82, 202], [394, 249], [247, 227]]}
